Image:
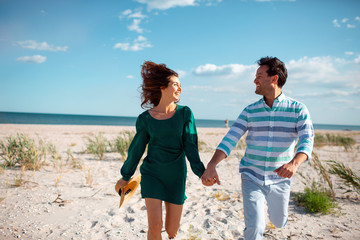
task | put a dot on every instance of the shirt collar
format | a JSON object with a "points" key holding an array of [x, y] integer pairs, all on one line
{"points": [[278, 99]]}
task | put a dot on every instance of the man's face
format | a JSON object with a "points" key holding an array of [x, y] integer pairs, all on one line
{"points": [[263, 82]]}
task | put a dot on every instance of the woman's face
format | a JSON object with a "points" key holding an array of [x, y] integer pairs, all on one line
{"points": [[173, 90]]}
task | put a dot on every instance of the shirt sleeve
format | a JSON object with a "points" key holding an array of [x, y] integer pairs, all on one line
{"points": [[305, 131], [190, 141], [136, 150], [237, 130]]}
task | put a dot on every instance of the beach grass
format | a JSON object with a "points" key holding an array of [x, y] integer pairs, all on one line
{"points": [[324, 172], [348, 177], [23, 151], [88, 177], [122, 143], [97, 146], [329, 139], [73, 161]]}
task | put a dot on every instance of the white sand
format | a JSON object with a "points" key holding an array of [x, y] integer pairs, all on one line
{"points": [[58, 202]]}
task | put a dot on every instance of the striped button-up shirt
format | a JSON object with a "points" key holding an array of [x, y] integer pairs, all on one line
{"points": [[273, 134]]}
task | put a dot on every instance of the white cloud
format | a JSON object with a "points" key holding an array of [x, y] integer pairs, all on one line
{"points": [[129, 77], [130, 14], [137, 14], [31, 44], [135, 26], [224, 70], [336, 23], [313, 69], [349, 53], [136, 17], [357, 60], [222, 89], [213, 2], [181, 73], [332, 93], [126, 12], [166, 4], [275, 0], [32, 59], [346, 22], [138, 44]]}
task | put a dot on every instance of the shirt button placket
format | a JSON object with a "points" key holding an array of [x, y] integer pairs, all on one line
{"points": [[270, 141]]}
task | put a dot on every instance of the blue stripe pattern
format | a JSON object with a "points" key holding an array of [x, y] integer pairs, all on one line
{"points": [[273, 134]]}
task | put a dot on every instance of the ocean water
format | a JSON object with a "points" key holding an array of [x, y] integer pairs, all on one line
{"points": [[69, 119]]}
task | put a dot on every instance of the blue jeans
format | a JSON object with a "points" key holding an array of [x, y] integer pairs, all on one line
{"points": [[254, 196]]}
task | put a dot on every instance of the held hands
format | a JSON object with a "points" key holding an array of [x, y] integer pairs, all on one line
{"points": [[210, 177]]}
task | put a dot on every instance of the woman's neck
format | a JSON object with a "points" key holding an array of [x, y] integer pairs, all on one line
{"points": [[163, 107]]}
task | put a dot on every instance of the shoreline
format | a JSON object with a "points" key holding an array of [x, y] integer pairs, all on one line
{"points": [[133, 126]]}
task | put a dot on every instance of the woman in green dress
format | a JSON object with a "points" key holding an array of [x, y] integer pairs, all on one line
{"points": [[169, 130]]}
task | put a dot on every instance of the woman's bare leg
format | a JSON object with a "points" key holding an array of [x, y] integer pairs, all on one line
{"points": [[154, 213], [172, 221]]}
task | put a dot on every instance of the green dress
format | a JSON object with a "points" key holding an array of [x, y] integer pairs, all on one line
{"points": [[163, 171]]}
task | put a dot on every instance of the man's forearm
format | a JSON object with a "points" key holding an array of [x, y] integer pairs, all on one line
{"points": [[299, 159], [217, 157]]}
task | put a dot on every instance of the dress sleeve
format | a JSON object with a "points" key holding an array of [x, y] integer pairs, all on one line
{"points": [[136, 150], [190, 141]]}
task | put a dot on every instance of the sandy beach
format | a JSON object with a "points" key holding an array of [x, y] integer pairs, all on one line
{"points": [[62, 202]]}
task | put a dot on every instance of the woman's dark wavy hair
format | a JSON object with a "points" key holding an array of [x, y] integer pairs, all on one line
{"points": [[276, 67], [155, 76]]}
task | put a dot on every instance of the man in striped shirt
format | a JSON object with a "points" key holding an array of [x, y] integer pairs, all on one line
{"points": [[276, 124]]}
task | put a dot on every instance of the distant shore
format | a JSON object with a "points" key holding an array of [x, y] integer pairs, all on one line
{"points": [[98, 120]]}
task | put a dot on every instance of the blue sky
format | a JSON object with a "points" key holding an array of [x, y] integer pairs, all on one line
{"points": [[84, 56]]}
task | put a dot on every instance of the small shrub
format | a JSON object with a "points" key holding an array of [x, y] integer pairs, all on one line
{"points": [[55, 157], [315, 200], [97, 146], [20, 179], [24, 151], [122, 143], [73, 161]]}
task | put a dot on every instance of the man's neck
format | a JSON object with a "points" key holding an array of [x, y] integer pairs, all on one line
{"points": [[269, 99]]}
